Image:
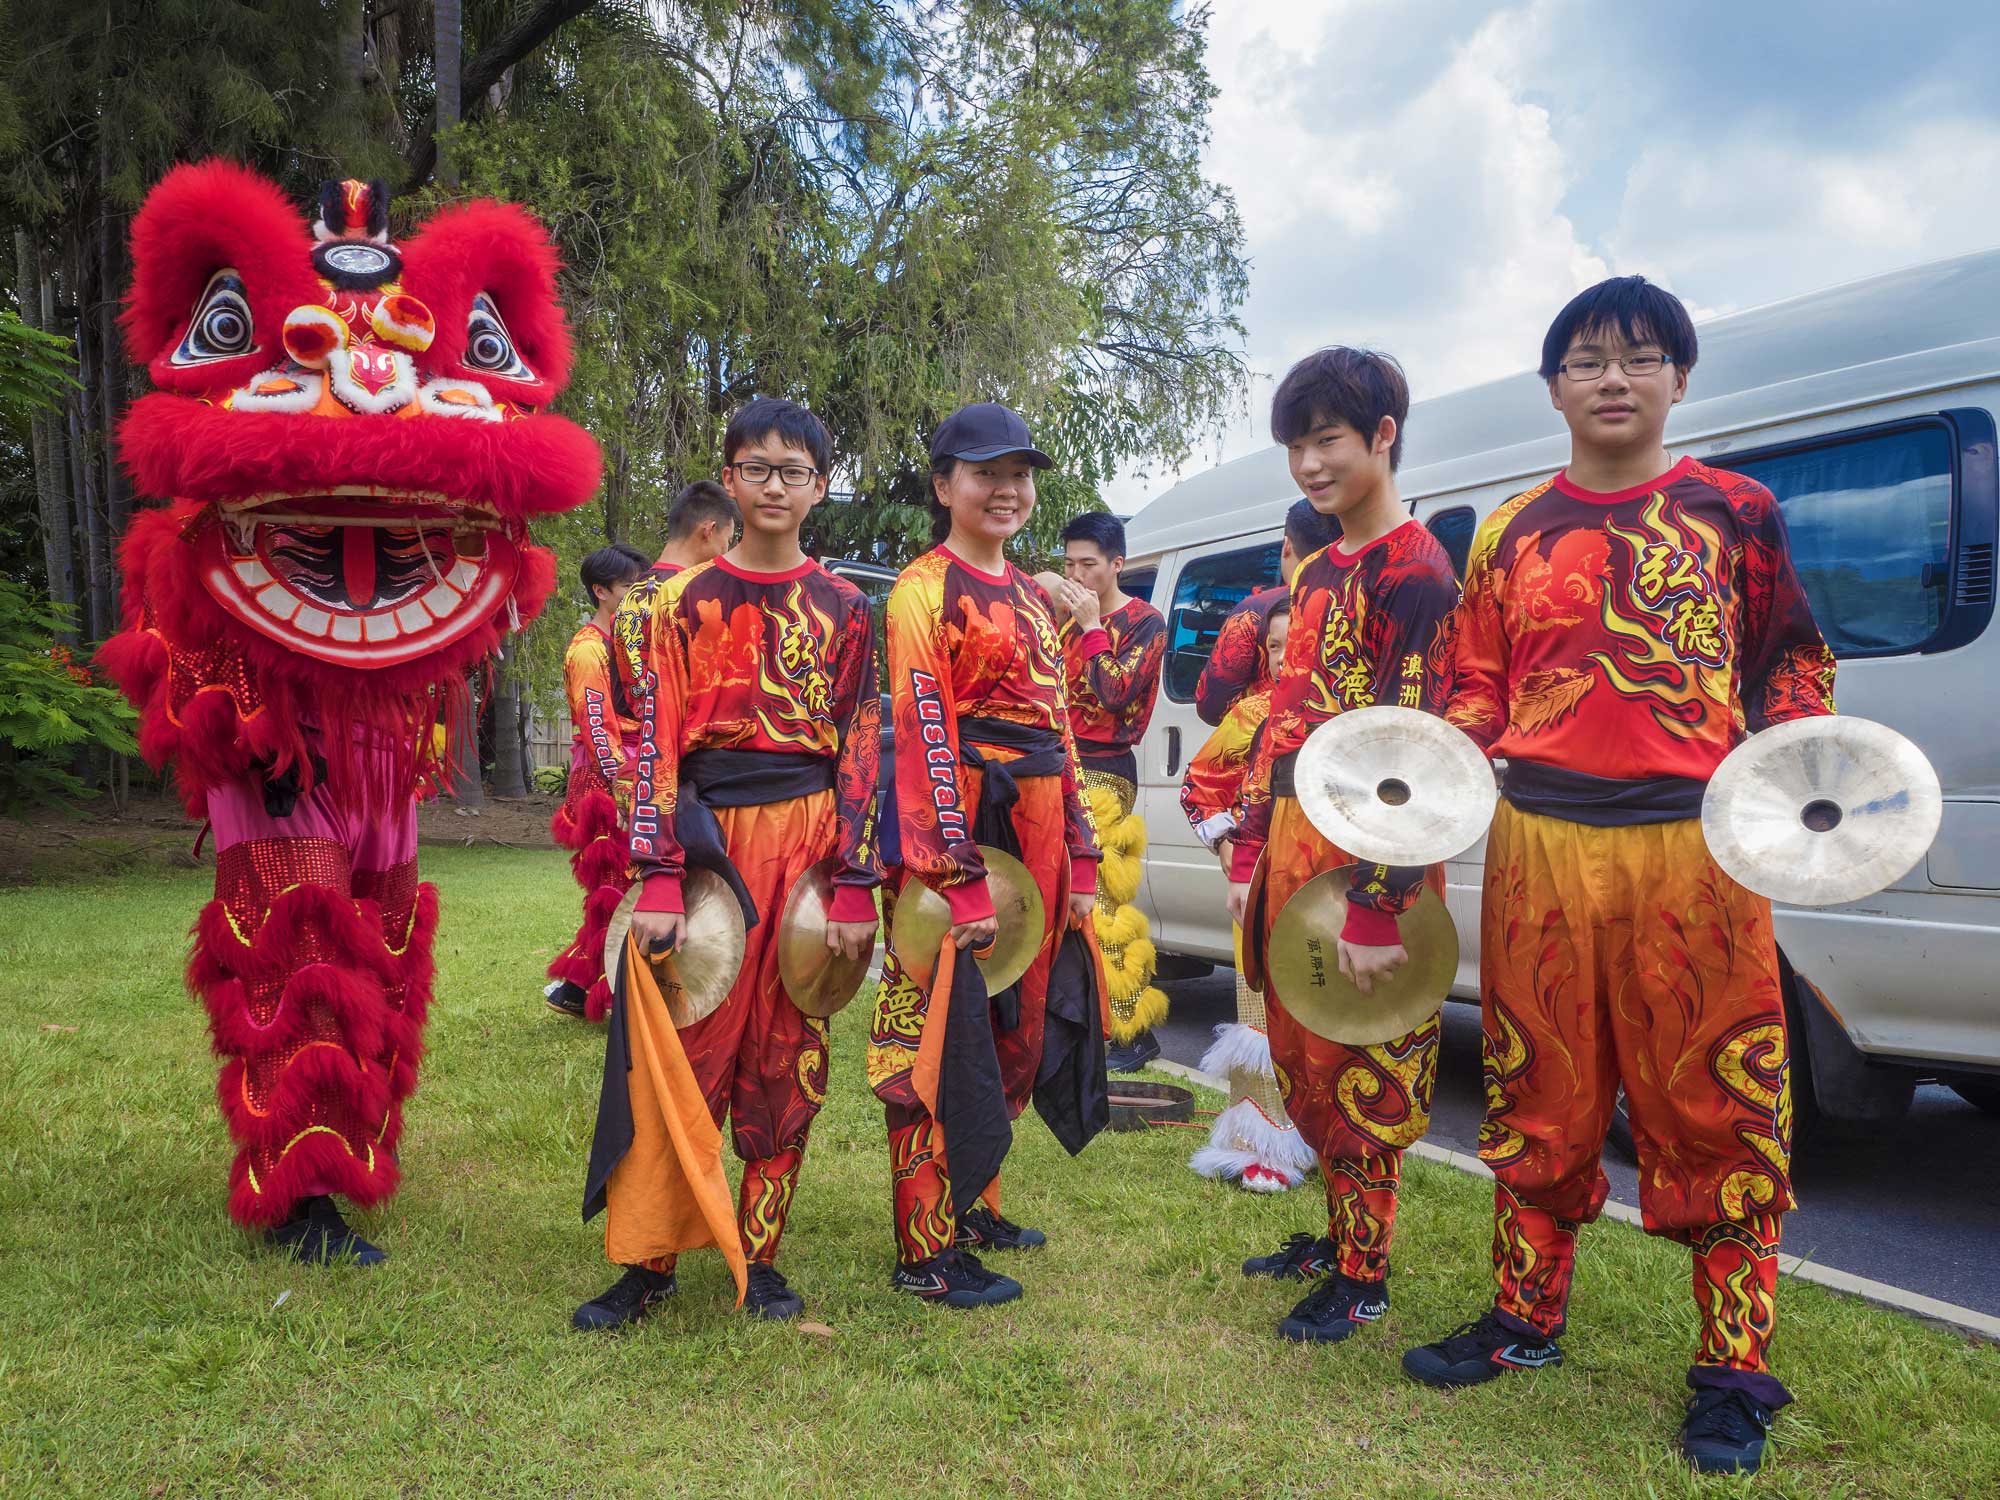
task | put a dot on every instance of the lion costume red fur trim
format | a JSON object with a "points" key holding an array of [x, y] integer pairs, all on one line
{"points": [[347, 437]]}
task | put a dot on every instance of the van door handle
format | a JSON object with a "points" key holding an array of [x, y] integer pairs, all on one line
{"points": [[1173, 749]]}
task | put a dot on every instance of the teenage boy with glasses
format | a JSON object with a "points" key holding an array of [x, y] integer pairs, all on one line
{"points": [[1624, 624], [759, 737]]}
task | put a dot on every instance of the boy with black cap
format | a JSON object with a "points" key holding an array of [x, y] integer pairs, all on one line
{"points": [[984, 756], [1624, 624]]}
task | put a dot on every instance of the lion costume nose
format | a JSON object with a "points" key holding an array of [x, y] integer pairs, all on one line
{"points": [[373, 373]]}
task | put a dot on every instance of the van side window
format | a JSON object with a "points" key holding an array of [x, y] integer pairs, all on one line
{"points": [[1206, 591], [1870, 525], [1138, 582], [1454, 528]]}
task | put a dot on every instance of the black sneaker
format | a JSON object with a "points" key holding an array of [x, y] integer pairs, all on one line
{"points": [[319, 1236], [1334, 1309], [1724, 1431], [565, 997], [982, 1229], [1300, 1258], [1130, 1057], [956, 1280], [1476, 1352], [630, 1298], [767, 1296]]}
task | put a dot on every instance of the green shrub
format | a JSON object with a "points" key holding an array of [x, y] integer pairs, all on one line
{"points": [[50, 705]]}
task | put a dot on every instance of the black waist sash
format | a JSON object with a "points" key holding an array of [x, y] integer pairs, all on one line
{"points": [[709, 779], [1110, 758], [1283, 772], [1600, 801]]}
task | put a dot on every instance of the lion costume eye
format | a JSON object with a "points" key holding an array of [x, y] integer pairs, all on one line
{"points": [[488, 345], [221, 327]]}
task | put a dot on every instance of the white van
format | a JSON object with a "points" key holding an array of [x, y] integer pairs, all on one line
{"points": [[1869, 410]]}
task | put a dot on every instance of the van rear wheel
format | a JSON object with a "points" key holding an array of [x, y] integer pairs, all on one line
{"points": [[1980, 1092]]}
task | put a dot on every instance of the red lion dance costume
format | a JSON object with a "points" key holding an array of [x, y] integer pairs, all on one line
{"points": [[346, 435]]}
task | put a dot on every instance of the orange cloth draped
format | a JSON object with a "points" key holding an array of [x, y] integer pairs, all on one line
{"points": [[669, 1192]]}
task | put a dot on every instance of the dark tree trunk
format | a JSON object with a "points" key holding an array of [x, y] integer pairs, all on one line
{"points": [[467, 790], [111, 372], [83, 427], [450, 39], [51, 490], [509, 770]]}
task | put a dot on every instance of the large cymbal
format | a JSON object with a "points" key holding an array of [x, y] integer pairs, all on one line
{"points": [[696, 977], [1821, 810], [820, 980], [923, 918], [1395, 786], [1304, 969]]}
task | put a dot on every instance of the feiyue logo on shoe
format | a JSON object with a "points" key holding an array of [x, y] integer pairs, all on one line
{"points": [[1369, 1311], [932, 1285], [1526, 1359]]}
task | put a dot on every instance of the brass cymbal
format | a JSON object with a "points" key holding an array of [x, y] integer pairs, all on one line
{"points": [[696, 977], [1304, 969], [1821, 810], [923, 918], [1395, 786], [820, 980]]}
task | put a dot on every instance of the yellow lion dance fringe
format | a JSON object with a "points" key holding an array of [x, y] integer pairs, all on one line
{"points": [[1122, 933]]}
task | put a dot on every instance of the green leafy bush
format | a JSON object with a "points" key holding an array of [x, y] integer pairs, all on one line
{"points": [[50, 704], [554, 780]]}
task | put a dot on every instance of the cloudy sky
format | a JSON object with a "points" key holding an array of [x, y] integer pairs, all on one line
{"points": [[1436, 177]]}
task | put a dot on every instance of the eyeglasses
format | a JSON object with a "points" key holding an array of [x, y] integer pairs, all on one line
{"points": [[1593, 368], [792, 476]]}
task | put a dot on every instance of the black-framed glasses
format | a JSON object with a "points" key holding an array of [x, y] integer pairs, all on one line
{"points": [[1593, 368], [792, 476]]}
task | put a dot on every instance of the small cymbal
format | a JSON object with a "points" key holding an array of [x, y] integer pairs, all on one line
{"points": [[1822, 810], [923, 918], [1304, 969], [696, 977], [820, 980], [1395, 786]]}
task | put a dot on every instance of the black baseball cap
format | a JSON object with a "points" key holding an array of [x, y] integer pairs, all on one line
{"points": [[984, 430]]}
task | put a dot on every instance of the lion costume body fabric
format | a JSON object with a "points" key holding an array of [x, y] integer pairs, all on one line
{"points": [[347, 439]]}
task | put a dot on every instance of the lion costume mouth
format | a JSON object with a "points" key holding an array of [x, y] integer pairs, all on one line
{"points": [[358, 576]]}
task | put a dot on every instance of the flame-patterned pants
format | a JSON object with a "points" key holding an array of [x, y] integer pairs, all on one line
{"points": [[589, 825], [1357, 1107], [919, 1176], [761, 1061], [314, 964], [1614, 956]]}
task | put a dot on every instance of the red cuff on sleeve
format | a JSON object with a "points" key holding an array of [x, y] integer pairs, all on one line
{"points": [[1083, 876], [1367, 928], [971, 902], [662, 893], [1243, 861], [853, 903], [1094, 641]]}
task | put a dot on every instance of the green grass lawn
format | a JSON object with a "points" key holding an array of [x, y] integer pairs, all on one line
{"points": [[147, 1347]]}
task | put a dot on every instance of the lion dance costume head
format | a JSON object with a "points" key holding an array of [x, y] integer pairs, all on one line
{"points": [[348, 438]]}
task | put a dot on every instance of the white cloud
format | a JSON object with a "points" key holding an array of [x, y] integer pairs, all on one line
{"points": [[1437, 179]]}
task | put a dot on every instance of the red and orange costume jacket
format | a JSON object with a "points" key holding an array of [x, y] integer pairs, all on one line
{"points": [[1633, 638], [628, 630], [1214, 779], [970, 644], [347, 437], [602, 721], [1373, 627], [1112, 677], [1235, 663], [773, 662]]}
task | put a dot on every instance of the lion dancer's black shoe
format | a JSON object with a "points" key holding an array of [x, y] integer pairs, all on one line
{"points": [[768, 1297], [1492, 1346], [982, 1229], [625, 1302], [955, 1279], [1302, 1257], [1334, 1309], [317, 1235]]}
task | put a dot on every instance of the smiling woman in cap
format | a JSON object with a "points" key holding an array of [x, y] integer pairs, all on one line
{"points": [[976, 679]]}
